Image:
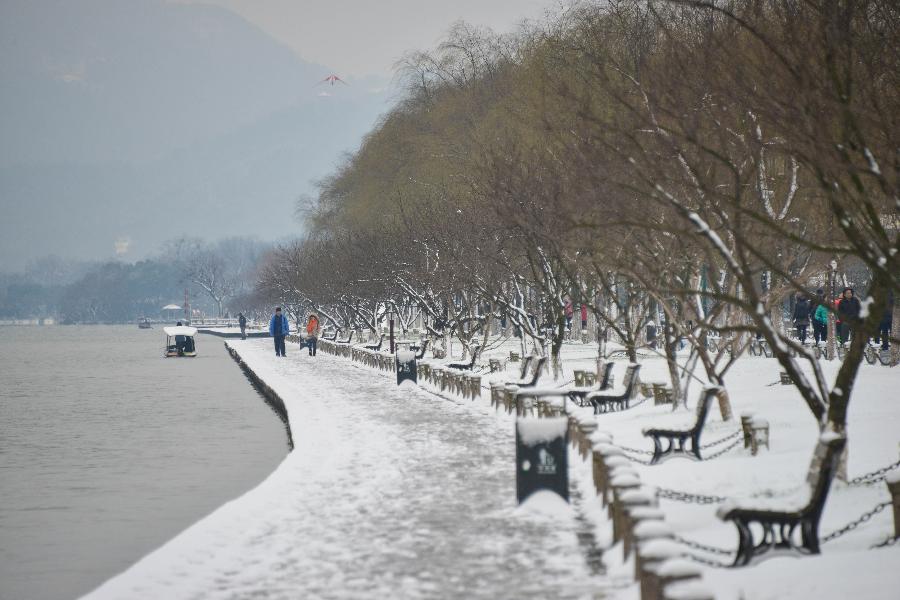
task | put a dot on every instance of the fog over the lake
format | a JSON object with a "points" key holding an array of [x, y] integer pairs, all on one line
{"points": [[127, 123]]}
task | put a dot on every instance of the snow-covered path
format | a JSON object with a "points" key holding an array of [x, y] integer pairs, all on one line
{"points": [[389, 492]]}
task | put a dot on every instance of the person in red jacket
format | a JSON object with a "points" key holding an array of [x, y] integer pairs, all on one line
{"points": [[312, 333]]}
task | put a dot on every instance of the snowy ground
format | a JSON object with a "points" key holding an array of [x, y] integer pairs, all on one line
{"points": [[848, 567], [401, 493], [389, 492]]}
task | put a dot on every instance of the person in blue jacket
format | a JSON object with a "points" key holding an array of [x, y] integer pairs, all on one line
{"points": [[278, 328]]}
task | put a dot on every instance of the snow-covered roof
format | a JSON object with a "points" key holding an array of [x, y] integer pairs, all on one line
{"points": [[171, 307], [182, 330]]}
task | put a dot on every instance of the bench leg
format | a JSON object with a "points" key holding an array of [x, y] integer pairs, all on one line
{"points": [[657, 450], [695, 446]]}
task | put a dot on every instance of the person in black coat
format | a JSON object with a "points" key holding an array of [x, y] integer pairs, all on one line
{"points": [[848, 310], [801, 316]]}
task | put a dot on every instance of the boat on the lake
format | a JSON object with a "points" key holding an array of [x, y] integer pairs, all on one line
{"points": [[180, 341], [144, 324]]}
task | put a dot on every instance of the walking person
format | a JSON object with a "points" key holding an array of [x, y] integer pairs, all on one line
{"points": [[312, 333], [820, 326], [884, 327], [278, 328], [820, 319], [848, 309], [801, 317], [242, 322]]}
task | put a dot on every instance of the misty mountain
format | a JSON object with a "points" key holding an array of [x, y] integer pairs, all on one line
{"points": [[140, 120]]}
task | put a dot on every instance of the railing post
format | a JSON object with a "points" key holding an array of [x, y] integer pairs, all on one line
{"points": [[893, 484]]}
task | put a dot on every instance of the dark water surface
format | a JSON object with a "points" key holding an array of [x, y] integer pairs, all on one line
{"points": [[107, 450]]}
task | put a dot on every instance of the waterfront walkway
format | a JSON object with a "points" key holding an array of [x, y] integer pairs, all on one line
{"points": [[389, 492]]}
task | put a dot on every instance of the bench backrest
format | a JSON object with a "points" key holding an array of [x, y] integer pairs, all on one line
{"points": [[476, 350], [424, 347], [347, 341], [607, 372], [821, 471], [702, 411], [526, 362], [631, 377], [538, 367]]}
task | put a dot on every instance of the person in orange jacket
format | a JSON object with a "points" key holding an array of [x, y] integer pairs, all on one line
{"points": [[312, 333]]}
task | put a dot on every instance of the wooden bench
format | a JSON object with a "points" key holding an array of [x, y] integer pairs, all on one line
{"points": [[610, 402], [469, 365], [347, 341], [376, 347], [778, 526], [332, 338], [678, 437]]}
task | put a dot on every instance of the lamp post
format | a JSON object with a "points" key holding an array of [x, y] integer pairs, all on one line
{"points": [[832, 334], [391, 324]]}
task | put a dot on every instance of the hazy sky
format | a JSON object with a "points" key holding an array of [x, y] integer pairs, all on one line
{"points": [[366, 37]]}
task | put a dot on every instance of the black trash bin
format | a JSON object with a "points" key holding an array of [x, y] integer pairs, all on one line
{"points": [[405, 366], [542, 457]]}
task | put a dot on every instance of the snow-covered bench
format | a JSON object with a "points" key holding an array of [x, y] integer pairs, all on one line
{"points": [[376, 347], [678, 437], [611, 402], [347, 341], [469, 365], [779, 518], [535, 374], [421, 349], [330, 338], [579, 394]]}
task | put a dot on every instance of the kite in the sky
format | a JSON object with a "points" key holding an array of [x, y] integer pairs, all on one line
{"points": [[332, 78]]}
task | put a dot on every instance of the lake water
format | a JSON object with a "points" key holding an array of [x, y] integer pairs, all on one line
{"points": [[107, 450]]}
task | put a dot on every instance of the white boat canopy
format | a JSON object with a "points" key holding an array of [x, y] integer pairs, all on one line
{"points": [[171, 307], [183, 330]]}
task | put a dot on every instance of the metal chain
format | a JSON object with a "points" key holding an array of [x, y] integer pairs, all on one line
{"points": [[639, 460], [639, 402], [724, 450], [706, 561], [854, 524], [699, 546], [635, 450], [627, 450], [890, 541], [724, 439], [874, 476], [689, 498]]}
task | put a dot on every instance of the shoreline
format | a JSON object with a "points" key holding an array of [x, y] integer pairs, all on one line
{"points": [[270, 396], [370, 503]]}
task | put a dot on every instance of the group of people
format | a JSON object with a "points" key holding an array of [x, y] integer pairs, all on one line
{"points": [[569, 312], [848, 310], [279, 328]]}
